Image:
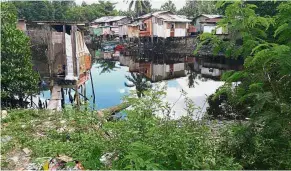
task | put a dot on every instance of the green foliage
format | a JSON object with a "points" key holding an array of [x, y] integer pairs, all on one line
{"points": [[17, 75], [141, 141], [145, 141], [48, 134], [263, 87], [169, 6], [63, 10], [140, 7], [195, 8]]}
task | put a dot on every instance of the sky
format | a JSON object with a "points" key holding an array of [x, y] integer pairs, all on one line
{"points": [[121, 4]]}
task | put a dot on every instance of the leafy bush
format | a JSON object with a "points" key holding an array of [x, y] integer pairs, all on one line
{"points": [[265, 89], [141, 141]]}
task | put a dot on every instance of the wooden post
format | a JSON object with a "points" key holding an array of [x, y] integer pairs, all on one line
{"points": [[63, 98], [74, 55], [152, 30], [64, 48], [73, 40], [50, 58], [93, 91]]}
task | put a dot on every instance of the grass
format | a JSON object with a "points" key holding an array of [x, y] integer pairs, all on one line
{"points": [[48, 134]]}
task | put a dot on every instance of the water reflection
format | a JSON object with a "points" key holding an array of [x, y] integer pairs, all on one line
{"points": [[115, 74], [139, 81], [195, 76], [106, 65]]}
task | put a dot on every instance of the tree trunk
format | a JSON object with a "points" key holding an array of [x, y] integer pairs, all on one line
{"points": [[107, 113]]}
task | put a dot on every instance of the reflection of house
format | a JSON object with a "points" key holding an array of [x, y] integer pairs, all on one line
{"points": [[159, 72], [163, 24], [124, 60], [211, 72], [146, 69], [167, 71], [133, 66], [109, 24], [201, 18]]}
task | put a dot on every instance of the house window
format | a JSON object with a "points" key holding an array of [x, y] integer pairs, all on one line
{"points": [[143, 26], [155, 20], [172, 25]]}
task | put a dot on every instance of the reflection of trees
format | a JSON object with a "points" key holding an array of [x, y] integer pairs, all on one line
{"points": [[193, 76], [140, 82], [107, 66]]}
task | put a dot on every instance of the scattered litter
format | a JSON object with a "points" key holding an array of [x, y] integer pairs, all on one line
{"points": [[3, 114], [26, 151], [32, 166], [61, 162], [108, 158], [60, 130], [5, 139], [14, 159], [79, 166], [63, 121], [39, 134], [65, 158]]}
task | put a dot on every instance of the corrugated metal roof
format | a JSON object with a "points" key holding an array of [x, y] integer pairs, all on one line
{"points": [[106, 19], [167, 16], [173, 18], [212, 16], [211, 20], [135, 23], [152, 14]]}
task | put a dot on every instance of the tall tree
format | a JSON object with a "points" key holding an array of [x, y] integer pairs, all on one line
{"points": [[63, 10], [194, 8], [140, 6], [169, 6], [17, 75]]}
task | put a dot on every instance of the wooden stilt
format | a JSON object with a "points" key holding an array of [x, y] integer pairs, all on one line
{"points": [[63, 98]]}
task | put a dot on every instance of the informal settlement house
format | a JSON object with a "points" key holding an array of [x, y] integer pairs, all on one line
{"points": [[157, 24], [163, 24], [108, 25], [206, 22]]}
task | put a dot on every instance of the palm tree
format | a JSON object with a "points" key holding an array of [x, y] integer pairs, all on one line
{"points": [[140, 6], [140, 82]]}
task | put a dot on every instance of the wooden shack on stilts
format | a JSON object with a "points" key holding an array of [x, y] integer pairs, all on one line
{"points": [[68, 58]]}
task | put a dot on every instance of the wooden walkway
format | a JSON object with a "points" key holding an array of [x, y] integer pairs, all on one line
{"points": [[56, 97]]}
